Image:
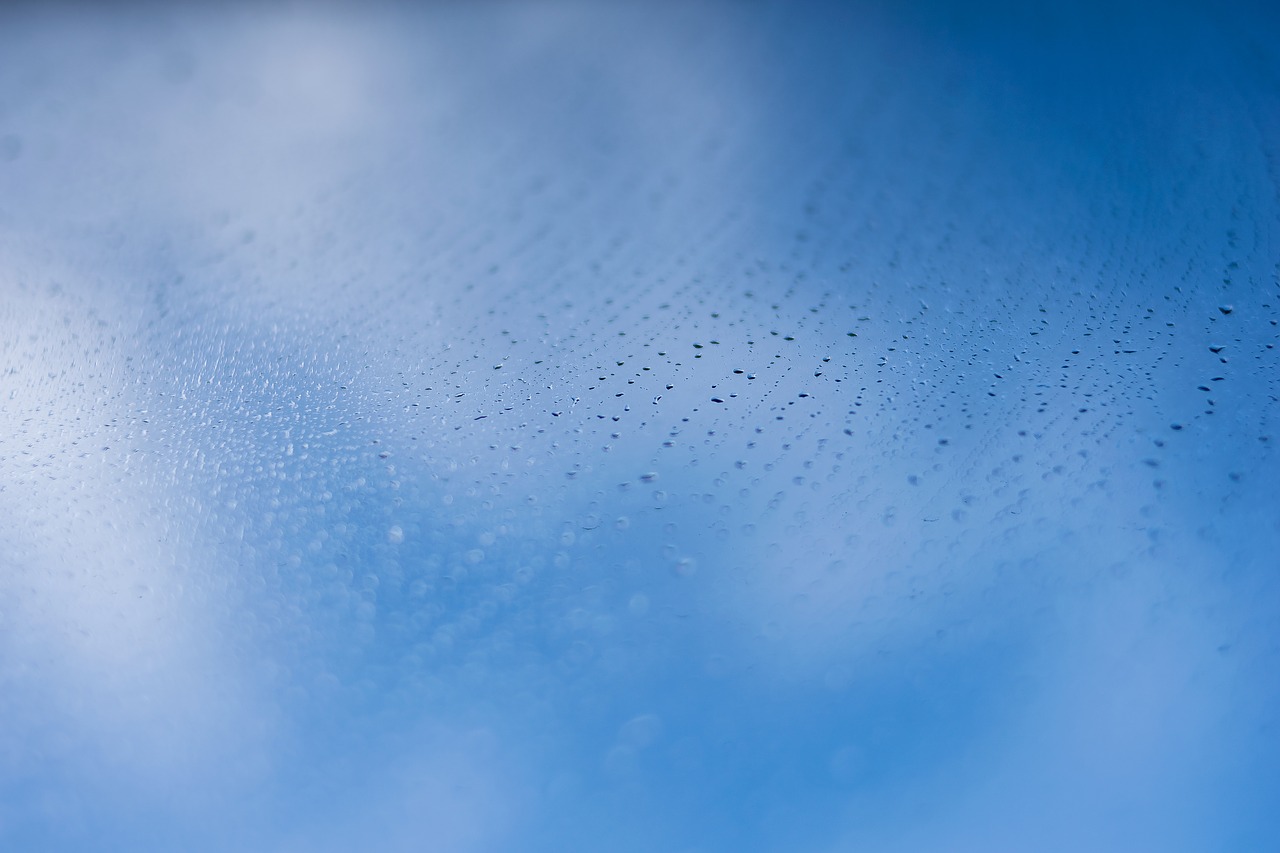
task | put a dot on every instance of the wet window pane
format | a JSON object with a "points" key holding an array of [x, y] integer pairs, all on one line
{"points": [[636, 427]]}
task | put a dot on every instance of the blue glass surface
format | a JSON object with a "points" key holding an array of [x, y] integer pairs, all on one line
{"points": [[639, 427]]}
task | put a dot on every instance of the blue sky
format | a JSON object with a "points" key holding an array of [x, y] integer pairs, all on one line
{"points": [[569, 427]]}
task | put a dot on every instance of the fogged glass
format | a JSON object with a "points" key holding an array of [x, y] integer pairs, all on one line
{"points": [[639, 427]]}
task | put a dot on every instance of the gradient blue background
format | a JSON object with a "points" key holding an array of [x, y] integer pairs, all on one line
{"points": [[639, 427]]}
